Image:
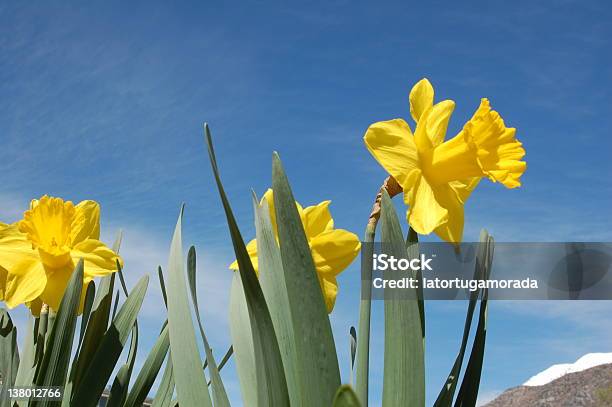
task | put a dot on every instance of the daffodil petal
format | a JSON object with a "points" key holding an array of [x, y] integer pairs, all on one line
{"points": [[464, 188], [421, 137], [437, 122], [56, 286], [452, 230], [421, 98], [16, 253], [425, 213], [99, 259], [86, 222], [329, 287], [334, 250], [317, 219], [27, 285], [392, 145], [3, 275]]}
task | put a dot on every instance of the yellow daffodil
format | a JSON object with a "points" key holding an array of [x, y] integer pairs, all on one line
{"points": [[438, 176], [332, 249], [39, 253]]}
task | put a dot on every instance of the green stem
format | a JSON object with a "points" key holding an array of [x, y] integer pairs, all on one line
{"points": [[363, 335]]}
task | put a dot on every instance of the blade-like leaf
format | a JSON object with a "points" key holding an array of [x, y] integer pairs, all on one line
{"points": [[352, 350], [188, 376], [118, 391], [97, 324], [89, 298], [219, 394], [468, 393], [365, 308], [346, 397], [54, 365], [104, 359], [242, 339], [272, 280], [9, 355], [163, 396], [404, 369], [446, 395], [150, 369], [271, 382], [162, 285], [115, 305], [27, 365], [316, 359], [226, 357]]}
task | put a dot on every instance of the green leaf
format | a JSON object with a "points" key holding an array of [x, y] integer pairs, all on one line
{"points": [[148, 372], [162, 285], [89, 298], [242, 339], [54, 365], [27, 365], [115, 305], [316, 360], [271, 382], [346, 397], [365, 308], [43, 322], [9, 355], [272, 280], [219, 394], [118, 391], [468, 393], [226, 357], [104, 359], [445, 398], [188, 376], [412, 238], [163, 396], [404, 369], [97, 324], [352, 351]]}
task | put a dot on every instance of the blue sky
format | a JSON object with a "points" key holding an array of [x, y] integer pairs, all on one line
{"points": [[106, 101]]}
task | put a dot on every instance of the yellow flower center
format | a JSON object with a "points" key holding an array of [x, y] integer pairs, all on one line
{"points": [[47, 225]]}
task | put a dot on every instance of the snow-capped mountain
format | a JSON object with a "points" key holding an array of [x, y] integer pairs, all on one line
{"points": [[556, 371], [584, 383]]}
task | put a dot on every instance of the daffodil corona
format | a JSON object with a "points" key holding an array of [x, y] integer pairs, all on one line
{"points": [[333, 250], [39, 253], [438, 176]]}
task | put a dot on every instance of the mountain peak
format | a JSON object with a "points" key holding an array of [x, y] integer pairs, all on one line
{"points": [[556, 371], [584, 383]]}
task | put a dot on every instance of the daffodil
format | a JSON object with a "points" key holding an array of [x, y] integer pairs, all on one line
{"points": [[438, 176], [38, 254], [333, 250]]}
